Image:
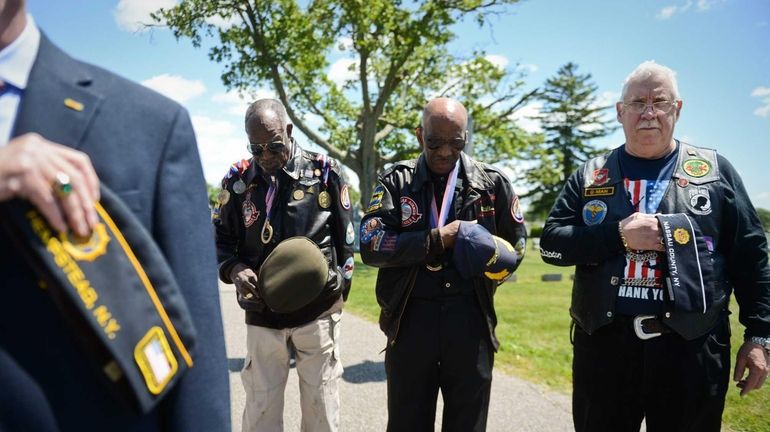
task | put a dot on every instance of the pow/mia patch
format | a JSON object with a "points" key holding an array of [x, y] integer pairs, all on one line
{"points": [[681, 236], [599, 191], [516, 213], [371, 228], [155, 359], [345, 197], [347, 269], [600, 177], [250, 212], [700, 202], [375, 202], [350, 234], [696, 167], [409, 212], [86, 248], [594, 212]]}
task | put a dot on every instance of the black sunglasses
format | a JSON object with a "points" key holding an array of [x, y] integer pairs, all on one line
{"points": [[257, 149]]}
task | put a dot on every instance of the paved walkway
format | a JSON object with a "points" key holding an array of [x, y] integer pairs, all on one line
{"points": [[516, 405]]}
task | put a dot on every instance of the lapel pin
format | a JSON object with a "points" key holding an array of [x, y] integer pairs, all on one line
{"points": [[73, 104]]}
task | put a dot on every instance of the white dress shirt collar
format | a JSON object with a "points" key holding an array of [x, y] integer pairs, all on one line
{"points": [[16, 59]]}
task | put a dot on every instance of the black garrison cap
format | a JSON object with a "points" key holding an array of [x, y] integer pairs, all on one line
{"points": [[117, 293]]}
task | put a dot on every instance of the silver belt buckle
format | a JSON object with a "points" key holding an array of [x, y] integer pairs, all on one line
{"points": [[640, 331]]}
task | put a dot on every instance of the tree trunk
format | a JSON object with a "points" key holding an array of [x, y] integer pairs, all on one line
{"points": [[368, 175]]}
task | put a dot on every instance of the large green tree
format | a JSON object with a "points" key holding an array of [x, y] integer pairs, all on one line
{"points": [[400, 58], [571, 117]]}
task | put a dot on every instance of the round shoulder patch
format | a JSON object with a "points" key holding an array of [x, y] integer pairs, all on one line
{"points": [[409, 212], [696, 167], [594, 212], [516, 212], [250, 212], [345, 197]]}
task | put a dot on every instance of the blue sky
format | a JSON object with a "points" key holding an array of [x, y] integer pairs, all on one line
{"points": [[719, 48]]}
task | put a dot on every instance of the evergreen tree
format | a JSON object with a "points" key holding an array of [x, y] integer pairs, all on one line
{"points": [[571, 118]]}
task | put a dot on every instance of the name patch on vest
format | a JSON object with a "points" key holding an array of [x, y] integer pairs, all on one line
{"points": [[599, 191]]}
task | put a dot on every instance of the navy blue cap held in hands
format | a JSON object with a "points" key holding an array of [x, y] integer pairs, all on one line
{"points": [[479, 253]]}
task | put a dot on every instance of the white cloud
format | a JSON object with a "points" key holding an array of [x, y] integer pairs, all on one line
{"points": [[220, 144], [224, 23], [131, 15], [526, 117], [235, 103], [176, 87], [700, 6], [763, 93], [342, 71], [667, 12], [704, 5], [497, 60], [764, 110], [527, 67]]}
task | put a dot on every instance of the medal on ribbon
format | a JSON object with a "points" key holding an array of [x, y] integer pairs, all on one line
{"points": [[267, 230], [324, 199], [438, 217]]}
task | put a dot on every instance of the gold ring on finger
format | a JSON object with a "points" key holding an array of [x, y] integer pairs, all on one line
{"points": [[62, 186]]}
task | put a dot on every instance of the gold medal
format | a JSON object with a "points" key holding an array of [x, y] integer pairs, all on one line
{"points": [[223, 197], [324, 199], [298, 194], [267, 232]]}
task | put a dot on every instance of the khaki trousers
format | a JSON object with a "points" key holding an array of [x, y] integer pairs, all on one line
{"points": [[318, 365]]}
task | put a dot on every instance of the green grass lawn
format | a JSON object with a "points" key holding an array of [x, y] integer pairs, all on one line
{"points": [[533, 329]]}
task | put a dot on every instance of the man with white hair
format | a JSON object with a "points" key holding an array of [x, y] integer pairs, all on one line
{"points": [[661, 233]]}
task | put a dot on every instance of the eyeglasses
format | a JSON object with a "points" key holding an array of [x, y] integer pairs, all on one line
{"points": [[257, 149], [433, 143], [664, 106]]}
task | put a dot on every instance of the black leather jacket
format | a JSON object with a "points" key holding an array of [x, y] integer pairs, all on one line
{"points": [[238, 229], [488, 198], [739, 253]]}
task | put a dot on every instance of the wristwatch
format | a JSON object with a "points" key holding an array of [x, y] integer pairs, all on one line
{"points": [[761, 341]]}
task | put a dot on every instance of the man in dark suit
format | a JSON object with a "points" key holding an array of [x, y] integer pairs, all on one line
{"points": [[69, 122]]}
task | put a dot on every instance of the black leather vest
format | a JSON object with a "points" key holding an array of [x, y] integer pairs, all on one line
{"points": [[695, 190]]}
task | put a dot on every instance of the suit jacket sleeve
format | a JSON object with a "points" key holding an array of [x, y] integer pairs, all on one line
{"points": [[183, 231]]}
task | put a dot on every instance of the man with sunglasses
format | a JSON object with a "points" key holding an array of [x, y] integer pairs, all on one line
{"points": [[284, 191], [661, 233], [439, 320]]}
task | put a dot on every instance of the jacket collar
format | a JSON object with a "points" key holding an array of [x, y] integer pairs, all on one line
{"points": [[474, 174], [292, 168], [293, 165]]}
